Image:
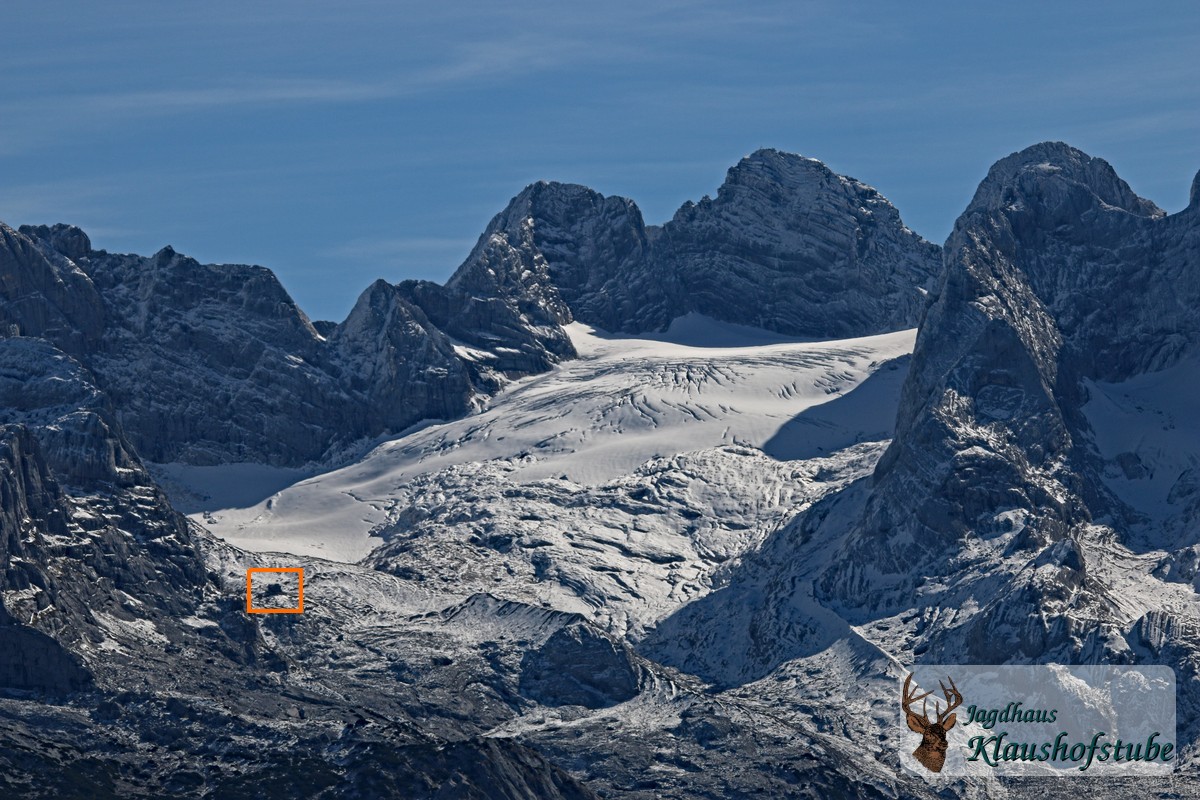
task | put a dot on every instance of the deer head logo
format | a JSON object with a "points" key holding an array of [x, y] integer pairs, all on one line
{"points": [[932, 752]]}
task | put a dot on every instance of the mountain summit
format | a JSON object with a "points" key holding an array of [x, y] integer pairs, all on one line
{"points": [[787, 245], [631, 566], [210, 364], [1030, 456]]}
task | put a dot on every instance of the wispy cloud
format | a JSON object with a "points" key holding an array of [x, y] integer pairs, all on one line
{"points": [[34, 121], [159, 101], [468, 63]]}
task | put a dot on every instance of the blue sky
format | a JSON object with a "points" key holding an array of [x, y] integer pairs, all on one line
{"points": [[341, 142]]}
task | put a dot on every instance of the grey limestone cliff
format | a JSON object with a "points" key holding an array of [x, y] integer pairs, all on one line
{"points": [[787, 245], [1057, 276], [212, 363]]}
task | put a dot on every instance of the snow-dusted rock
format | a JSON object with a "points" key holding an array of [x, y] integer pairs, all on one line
{"points": [[209, 364], [787, 245], [1027, 508], [87, 541], [32, 507], [791, 246]]}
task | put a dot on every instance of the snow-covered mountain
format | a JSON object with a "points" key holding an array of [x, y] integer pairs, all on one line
{"points": [[1060, 287], [1034, 503], [211, 364], [787, 245], [652, 512], [613, 486]]}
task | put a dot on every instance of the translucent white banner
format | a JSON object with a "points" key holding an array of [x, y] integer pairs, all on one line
{"points": [[1054, 720]]}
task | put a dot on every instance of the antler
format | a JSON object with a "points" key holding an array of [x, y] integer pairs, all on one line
{"points": [[911, 697], [954, 699]]}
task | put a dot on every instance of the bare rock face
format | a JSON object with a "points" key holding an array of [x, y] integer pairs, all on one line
{"points": [[787, 245], [43, 293], [1057, 275], [790, 246]]}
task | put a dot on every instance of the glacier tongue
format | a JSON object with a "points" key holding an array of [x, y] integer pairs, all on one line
{"points": [[625, 402]]}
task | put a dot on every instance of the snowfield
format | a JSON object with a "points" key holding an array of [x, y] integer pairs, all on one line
{"points": [[588, 422], [1147, 431], [603, 499]]}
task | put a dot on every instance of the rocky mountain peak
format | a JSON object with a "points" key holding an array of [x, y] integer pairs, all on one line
{"points": [[165, 256], [789, 245], [1051, 172], [782, 194], [770, 167], [555, 244], [765, 179], [552, 200], [68, 240], [1057, 276], [43, 293]]}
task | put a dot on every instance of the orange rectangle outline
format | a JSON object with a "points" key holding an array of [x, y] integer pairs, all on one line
{"points": [[250, 609]]}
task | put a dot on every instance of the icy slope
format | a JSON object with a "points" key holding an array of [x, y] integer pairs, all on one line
{"points": [[624, 402], [1147, 432]]}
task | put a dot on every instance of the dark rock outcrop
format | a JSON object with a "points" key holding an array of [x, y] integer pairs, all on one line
{"points": [[87, 540], [577, 665]]}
